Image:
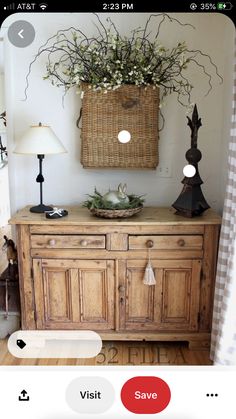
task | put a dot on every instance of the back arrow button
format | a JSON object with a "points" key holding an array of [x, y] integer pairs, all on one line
{"points": [[20, 33]]}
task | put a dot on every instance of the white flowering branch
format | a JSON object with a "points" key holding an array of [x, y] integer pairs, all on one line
{"points": [[109, 60]]}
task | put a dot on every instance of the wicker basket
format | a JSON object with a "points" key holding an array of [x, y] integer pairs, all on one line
{"points": [[104, 115], [124, 213]]}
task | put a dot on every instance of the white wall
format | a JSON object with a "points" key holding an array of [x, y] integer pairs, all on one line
{"points": [[66, 182], [1, 93], [2, 105], [4, 182]]}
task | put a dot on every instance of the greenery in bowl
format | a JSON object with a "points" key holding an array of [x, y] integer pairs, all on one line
{"points": [[109, 59], [97, 201]]}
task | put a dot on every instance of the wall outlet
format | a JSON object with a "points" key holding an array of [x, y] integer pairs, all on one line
{"points": [[164, 170]]}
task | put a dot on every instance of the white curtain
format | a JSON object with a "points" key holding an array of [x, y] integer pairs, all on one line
{"points": [[223, 339]]}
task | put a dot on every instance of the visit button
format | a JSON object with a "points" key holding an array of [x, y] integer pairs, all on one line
{"points": [[145, 395]]}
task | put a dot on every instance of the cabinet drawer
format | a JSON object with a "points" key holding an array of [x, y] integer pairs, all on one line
{"points": [[67, 242], [166, 242]]}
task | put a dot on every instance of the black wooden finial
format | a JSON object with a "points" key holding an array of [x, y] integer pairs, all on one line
{"points": [[195, 123], [191, 201]]}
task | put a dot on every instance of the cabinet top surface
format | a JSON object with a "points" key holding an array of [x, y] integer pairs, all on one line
{"points": [[148, 216]]}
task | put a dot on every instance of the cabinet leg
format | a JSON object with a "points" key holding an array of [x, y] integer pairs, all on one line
{"points": [[199, 345]]}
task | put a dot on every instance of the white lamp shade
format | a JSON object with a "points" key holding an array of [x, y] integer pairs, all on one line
{"points": [[39, 139]]}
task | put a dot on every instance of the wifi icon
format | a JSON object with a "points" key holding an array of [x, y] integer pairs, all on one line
{"points": [[43, 6]]}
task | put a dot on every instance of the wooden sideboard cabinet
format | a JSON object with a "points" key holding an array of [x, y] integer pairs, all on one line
{"points": [[83, 272]]}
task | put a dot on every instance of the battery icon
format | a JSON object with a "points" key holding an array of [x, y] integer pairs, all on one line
{"points": [[224, 6]]}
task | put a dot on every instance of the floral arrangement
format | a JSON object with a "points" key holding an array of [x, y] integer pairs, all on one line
{"points": [[110, 60]]}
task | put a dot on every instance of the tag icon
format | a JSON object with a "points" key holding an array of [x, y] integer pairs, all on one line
{"points": [[20, 343]]}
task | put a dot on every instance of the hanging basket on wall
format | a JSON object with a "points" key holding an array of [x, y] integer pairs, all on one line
{"points": [[104, 115]]}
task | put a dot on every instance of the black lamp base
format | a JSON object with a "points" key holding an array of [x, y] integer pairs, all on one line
{"points": [[40, 208]]}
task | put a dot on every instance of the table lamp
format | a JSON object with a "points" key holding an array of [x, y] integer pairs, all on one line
{"points": [[40, 140]]}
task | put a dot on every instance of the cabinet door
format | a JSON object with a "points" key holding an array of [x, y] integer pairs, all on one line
{"points": [[172, 304], [74, 294]]}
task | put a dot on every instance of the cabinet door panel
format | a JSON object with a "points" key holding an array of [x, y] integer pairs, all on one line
{"points": [[172, 304], [140, 309], [176, 295], [93, 295], [180, 297], [74, 294], [143, 310], [57, 284]]}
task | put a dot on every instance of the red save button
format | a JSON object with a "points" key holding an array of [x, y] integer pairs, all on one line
{"points": [[145, 395]]}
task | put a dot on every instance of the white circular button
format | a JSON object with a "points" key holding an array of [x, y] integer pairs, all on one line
{"points": [[21, 33], [124, 136], [189, 170]]}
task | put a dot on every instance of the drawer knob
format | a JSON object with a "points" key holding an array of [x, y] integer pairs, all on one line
{"points": [[84, 243], [149, 243], [121, 288], [181, 242], [52, 242]]}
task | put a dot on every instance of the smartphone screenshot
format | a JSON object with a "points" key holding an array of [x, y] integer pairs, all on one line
{"points": [[117, 210]]}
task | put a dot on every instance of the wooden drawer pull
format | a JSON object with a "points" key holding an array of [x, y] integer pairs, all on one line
{"points": [[121, 288], [52, 242], [84, 243], [181, 242], [149, 243]]}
